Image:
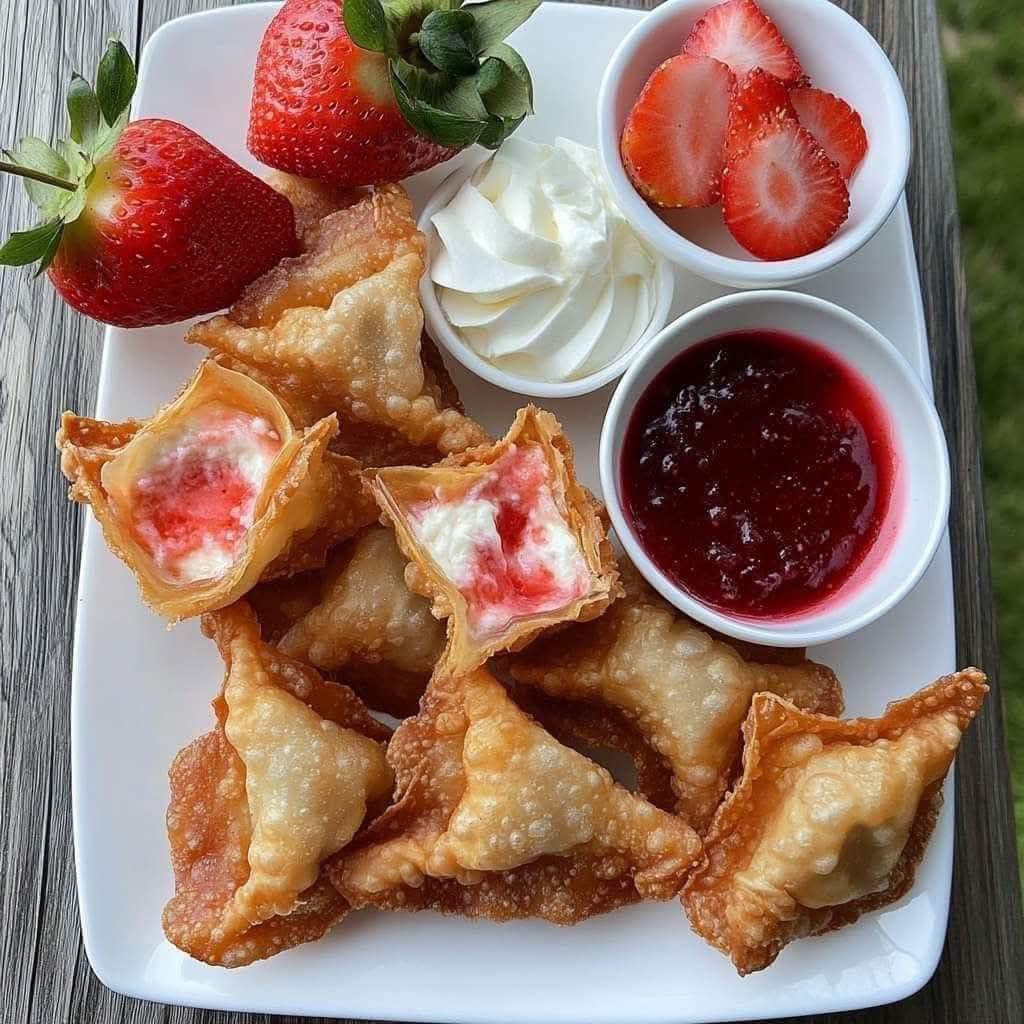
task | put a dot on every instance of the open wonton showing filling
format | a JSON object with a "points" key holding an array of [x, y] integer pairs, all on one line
{"points": [[217, 490], [503, 539]]}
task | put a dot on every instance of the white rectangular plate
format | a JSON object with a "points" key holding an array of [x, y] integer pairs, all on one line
{"points": [[141, 691]]}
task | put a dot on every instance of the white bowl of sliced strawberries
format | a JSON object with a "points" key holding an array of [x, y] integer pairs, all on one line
{"points": [[758, 144]]}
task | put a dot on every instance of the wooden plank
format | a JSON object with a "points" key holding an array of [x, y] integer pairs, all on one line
{"points": [[49, 361], [975, 980]]}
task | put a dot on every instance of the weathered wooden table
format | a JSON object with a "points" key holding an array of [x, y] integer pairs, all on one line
{"points": [[49, 361]]}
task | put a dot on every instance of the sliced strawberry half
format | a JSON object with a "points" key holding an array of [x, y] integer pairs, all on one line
{"points": [[784, 197], [760, 99], [740, 34], [673, 144], [835, 124]]}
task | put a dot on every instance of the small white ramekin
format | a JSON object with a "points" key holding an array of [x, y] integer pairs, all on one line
{"points": [[841, 56], [919, 507], [445, 335]]}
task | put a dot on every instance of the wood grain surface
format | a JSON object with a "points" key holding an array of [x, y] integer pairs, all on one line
{"points": [[49, 360]]}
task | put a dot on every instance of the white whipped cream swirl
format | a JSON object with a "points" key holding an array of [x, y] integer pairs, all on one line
{"points": [[537, 269]]}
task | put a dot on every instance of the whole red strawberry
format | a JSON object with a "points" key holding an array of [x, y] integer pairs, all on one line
{"points": [[144, 223], [368, 92]]}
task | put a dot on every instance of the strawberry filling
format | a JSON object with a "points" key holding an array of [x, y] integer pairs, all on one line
{"points": [[505, 545], [193, 506]]}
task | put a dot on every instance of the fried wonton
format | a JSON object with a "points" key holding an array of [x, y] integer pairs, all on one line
{"points": [[338, 330], [494, 818], [828, 821], [369, 626], [217, 490], [312, 201], [282, 783], [603, 733], [503, 539], [686, 691], [355, 237]]}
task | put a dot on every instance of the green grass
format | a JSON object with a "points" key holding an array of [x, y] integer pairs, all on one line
{"points": [[984, 44]]}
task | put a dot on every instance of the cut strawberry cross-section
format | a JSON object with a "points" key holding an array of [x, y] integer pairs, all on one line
{"points": [[740, 34], [760, 98], [835, 124], [673, 144], [784, 197]]}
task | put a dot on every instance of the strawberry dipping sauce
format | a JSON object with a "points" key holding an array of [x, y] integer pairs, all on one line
{"points": [[758, 470]]}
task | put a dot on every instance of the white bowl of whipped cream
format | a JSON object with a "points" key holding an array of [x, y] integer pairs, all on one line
{"points": [[535, 281]]}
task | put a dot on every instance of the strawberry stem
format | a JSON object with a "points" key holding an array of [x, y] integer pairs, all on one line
{"points": [[46, 179]]}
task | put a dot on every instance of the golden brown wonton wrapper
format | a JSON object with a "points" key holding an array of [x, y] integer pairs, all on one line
{"points": [[401, 490], [311, 500], [346, 237], [257, 805], [312, 201], [685, 691], [494, 818], [599, 730], [338, 328], [828, 821], [367, 625]]}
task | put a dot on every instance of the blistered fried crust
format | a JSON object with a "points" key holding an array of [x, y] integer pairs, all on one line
{"points": [[592, 728], [686, 692], [828, 821], [497, 819], [346, 245], [367, 623], [257, 805], [401, 489], [337, 330], [312, 201], [311, 499]]}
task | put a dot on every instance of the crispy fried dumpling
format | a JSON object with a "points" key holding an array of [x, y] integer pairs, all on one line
{"points": [[337, 329], [686, 691], [829, 819], [217, 490], [312, 201], [503, 539], [604, 734], [367, 624], [359, 237], [281, 784], [494, 818]]}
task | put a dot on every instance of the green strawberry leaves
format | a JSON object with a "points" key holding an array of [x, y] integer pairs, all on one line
{"points": [[35, 155], [37, 244], [452, 118], [57, 177], [454, 79], [83, 112], [367, 25], [497, 19], [115, 81], [505, 84], [448, 40]]}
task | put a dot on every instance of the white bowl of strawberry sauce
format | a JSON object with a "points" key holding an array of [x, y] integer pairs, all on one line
{"points": [[775, 469], [841, 57]]}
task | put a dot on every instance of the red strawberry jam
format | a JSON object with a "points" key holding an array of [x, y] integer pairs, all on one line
{"points": [[757, 470]]}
